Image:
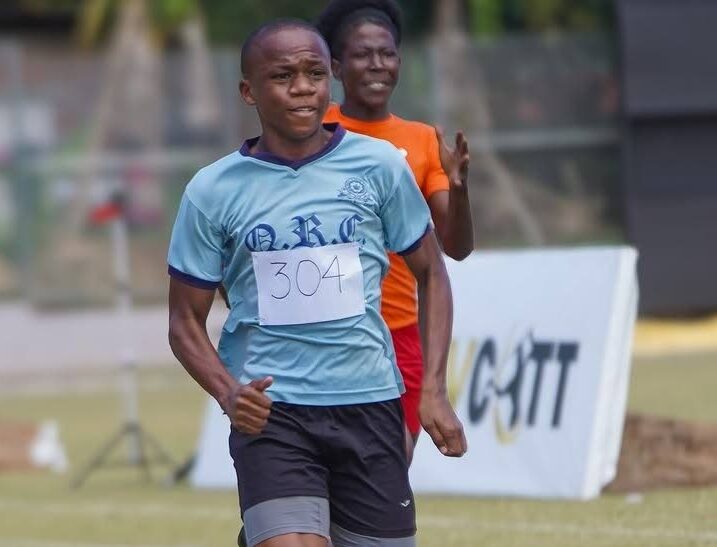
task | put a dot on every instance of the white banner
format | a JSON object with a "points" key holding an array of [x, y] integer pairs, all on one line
{"points": [[213, 467], [539, 371]]}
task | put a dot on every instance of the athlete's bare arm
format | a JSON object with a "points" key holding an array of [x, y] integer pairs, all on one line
{"points": [[435, 307], [247, 405], [451, 210]]}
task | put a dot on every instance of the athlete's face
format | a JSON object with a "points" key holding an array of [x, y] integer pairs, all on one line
{"points": [[368, 68], [289, 82]]}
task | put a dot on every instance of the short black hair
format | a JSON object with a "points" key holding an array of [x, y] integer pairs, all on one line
{"points": [[340, 15], [267, 28]]}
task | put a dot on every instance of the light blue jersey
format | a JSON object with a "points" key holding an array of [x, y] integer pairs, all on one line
{"points": [[357, 190]]}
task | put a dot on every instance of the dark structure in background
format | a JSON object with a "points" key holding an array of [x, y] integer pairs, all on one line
{"points": [[669, 68], [52, 22]]}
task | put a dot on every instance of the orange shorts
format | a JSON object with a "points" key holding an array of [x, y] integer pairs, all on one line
{"points": [[409, 355]]}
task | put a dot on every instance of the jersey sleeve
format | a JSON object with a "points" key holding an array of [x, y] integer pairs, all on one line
{"points": [[404, 213], [436, 178], [195, 248]]}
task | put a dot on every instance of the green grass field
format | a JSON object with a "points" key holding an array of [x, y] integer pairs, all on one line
{"points": [[118, 508]]}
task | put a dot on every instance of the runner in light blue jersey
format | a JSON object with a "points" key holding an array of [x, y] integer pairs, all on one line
{"points": [[296, 225], [355, 190]]}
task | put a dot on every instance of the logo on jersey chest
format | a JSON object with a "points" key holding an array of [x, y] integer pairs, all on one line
{"points": [[356, 190]]}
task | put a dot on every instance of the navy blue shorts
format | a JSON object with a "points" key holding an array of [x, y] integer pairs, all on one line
{"points": [[352, 455]]}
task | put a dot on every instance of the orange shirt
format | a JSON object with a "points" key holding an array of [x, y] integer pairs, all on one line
{"points": [[418, 141]]}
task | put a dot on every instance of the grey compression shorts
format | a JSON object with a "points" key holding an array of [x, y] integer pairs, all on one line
{"points": [[307, 515]]}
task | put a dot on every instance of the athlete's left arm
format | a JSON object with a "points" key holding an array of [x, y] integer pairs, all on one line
{"points": [[451, 210], [435, 307]]}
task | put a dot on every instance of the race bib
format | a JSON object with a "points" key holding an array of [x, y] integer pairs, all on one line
{"points": [[309, 284]]}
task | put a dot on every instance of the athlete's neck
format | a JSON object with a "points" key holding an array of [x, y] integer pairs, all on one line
{"points": [[292, 150], [364, 113]]}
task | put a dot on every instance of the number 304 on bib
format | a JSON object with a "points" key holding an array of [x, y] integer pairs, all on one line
{"points": [[309, 284]]}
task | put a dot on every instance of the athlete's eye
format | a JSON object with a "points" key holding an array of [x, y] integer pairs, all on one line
{"points": [[319, 73], [281, 76]]}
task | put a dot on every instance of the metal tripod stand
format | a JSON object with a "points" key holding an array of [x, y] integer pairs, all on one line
{"points": [[142, 447]]}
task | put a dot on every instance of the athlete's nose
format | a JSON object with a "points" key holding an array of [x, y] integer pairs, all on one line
{"points": [[376, 61], [303, 85]]}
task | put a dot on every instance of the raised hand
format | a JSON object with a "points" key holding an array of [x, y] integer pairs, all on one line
{"points": [[454, 160]]}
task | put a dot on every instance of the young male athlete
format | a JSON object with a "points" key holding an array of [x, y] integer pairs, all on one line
{"points": [[295, 225], [364, 36]]}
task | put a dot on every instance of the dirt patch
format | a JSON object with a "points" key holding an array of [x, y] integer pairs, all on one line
{"points": [[15, 446], [663, 452]]}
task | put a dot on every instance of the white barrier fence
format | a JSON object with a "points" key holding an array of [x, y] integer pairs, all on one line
{"points": [[539, 372]]}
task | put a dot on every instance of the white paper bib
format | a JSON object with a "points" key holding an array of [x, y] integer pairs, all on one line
{"points": [[309, 284]]}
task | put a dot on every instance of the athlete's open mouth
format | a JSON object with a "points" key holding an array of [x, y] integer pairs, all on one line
{"points": [[378, 86]]}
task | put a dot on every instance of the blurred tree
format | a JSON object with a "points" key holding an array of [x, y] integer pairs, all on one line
{"points": [[486, 16], [229, 21], [130, 110], [141, 27], [496, 16], [165, 18], [543, 14], [418, 16], [452, 55]]}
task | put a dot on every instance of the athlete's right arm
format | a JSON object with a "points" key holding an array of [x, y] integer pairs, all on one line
{"points": [[246, 405], [435, 317]]}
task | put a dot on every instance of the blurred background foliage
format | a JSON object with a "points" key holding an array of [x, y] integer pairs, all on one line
{"points": [[228, 21]]}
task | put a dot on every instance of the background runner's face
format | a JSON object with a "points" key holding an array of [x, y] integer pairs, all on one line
{"points": [[289, 83], [369, 67]]}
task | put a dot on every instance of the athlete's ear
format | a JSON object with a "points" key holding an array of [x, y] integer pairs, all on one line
{"points": [[336, 68], [246, 93]]}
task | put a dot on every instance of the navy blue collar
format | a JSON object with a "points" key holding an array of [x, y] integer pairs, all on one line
{"points": [[338, 135]]}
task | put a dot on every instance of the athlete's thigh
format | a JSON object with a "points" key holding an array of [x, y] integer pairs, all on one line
{"points": [[295, 520], [368, 484], [283, 482]]}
